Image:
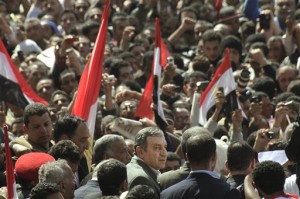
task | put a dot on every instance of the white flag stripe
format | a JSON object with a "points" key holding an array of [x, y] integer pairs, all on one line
{"points": [[92, 118], [5, 70], [157, 66], [227, 82]]}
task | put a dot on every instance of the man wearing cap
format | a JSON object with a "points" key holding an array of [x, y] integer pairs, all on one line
{"points": [[27, 168]]}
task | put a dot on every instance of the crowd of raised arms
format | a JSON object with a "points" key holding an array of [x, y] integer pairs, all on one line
{"points": [[244, 145]]}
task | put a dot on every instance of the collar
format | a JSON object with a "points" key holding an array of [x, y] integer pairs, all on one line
{"points": [[157, 172], [211, 173]]}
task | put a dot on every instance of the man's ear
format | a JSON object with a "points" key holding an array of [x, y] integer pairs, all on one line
{"points": [[25, 128], [61, 186], [226, 164], [139, 151], [124, 186]]}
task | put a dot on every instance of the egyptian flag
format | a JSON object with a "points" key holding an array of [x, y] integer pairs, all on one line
{"points": [[13, 87], [223, 77], [152, 89], [85, 105], [10, 175]]}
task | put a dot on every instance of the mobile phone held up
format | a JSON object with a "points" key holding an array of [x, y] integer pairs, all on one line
{"points": [[264, 21]]}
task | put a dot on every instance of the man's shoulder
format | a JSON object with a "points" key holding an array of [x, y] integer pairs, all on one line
{"points": [[170, 178]]}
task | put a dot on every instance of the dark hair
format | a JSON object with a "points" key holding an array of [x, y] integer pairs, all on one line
{"points": [[111, 174], [211, 35], [116, 64], [147, 59], [34, 109], [66, 124], [200, 148], [196, 130], [58, 92], [269, 177], [196, 74], [143, 134], [266, 85], [141, 191], [66, 11], [237, 150], [43, 190], [282, 97], [65, 149], [201, 63], [262, 46]]}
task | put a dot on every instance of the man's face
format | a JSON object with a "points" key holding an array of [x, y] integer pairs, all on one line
{"points": [[69, 184], [68, 82], [80, 8], [276, 51], [52, 7], [68, 21], [155, 154], [127, 109], [126, 74], [18, 129], [282, 8], [34, 31], [118, 29], [45, 89], [190, 87], [120, 151], [39, 129], [81, 137], [284, 79], [212, 50], [171, 165], [181, 118], [59, 101], [36, 74]]}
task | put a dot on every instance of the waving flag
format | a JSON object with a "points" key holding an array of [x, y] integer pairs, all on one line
{"points": [[85, 105], [152, 89], [13, 87], [223, 77], [10, 175]]}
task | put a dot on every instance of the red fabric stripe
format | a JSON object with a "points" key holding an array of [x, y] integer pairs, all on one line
{"points": [[90, 82], [144, 106], [10, 177], [25, 87]]}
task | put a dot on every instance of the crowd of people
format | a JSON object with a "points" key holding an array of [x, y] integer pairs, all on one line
{"points": [[51, 41]]}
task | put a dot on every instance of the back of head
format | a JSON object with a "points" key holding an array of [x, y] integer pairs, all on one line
{"points": [[111, 174], [54, 172], [67, 150], [141, 191], [103, 146], [33, 109], [143, 134], [237, 150], [43, 190], [66, 124], [200, 148], [189, 133], [269, 177]]}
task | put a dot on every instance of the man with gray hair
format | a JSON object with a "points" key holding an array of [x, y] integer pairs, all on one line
{"points": [[106, 147], [150, 156], [59, 173]]}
